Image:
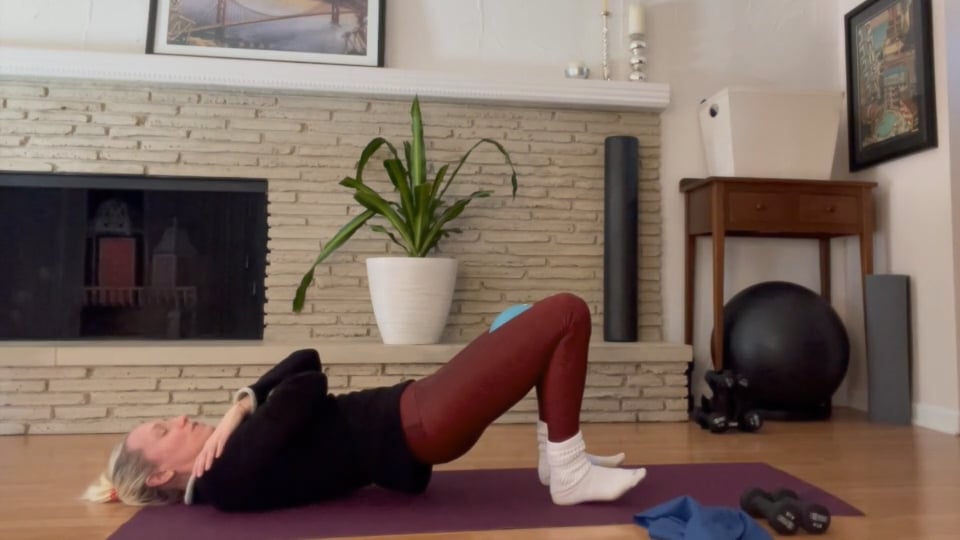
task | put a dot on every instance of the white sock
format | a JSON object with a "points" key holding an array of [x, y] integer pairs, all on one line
{"points": [[543, 468], [573, 479]]}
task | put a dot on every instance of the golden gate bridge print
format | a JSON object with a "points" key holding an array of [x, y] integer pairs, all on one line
{"points": [[316, 26]]}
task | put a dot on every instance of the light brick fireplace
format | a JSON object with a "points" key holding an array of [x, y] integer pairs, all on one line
{"points": [[548, 239], [110, 388]]}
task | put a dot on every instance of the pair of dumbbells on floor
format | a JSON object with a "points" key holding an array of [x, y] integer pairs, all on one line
{"points": [[729, 406], [785, 511]]}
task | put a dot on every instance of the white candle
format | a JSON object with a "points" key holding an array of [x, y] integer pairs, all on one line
{"points": [[636, 22], [605, 6]]}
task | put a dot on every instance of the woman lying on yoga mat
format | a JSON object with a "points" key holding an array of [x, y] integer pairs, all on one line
{"points": [[286, 441]]}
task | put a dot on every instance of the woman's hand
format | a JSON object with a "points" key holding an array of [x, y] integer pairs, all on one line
{"points": [[218, 439]]}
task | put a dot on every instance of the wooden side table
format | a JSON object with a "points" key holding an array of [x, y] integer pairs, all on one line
{"points": [[759, 207]]}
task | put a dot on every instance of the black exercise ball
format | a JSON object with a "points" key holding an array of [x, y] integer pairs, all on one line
{"points": [[789, 343]]}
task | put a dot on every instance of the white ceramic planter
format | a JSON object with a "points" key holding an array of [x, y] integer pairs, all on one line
{"points": [[411, 297]]}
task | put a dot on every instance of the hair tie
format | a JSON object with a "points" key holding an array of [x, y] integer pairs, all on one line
{"points": [[113, 495]]}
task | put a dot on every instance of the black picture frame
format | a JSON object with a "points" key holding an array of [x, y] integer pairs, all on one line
{"points": [[891, 100], [210, 40]]}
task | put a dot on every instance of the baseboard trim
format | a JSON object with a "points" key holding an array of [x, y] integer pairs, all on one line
{"points": [[937, 418]]}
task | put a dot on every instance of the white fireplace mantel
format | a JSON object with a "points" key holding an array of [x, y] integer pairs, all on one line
{"points": [[328, 79]]}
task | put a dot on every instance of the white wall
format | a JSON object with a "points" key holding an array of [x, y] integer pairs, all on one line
{"points": [[916, 236], [531, 38], [96, 25], [952, 20]]}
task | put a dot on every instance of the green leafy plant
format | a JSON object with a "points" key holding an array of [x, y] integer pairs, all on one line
{"points": [[421, 216]]}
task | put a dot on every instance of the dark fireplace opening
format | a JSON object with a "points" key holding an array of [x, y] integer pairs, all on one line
{"points": [[131, 257]]}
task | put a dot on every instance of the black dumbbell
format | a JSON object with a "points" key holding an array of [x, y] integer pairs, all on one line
{"points": [[746, 418], [714, 421], [715, 412], [783, 516], [814, 518], [706, 419], [721, 384]]}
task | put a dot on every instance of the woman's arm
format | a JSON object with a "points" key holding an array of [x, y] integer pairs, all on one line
{"points": [[304, 360], [213, 448], [257, 442]]}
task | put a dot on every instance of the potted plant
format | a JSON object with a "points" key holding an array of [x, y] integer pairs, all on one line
{"points": [[411, 295]]}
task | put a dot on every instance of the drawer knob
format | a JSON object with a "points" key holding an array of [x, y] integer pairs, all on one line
{"points": [[831, 209], [760, 206]]}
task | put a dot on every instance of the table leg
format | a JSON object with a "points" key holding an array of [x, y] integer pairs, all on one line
{"points": [[825, 268], [690, 274], [717, 345], [866, 236], [719, 234], [689, 287]]}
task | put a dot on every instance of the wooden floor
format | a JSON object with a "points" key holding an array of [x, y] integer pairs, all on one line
{"points": [[907, 480]]}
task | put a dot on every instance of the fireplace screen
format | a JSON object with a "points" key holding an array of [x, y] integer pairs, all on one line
{"points": [[106, 256]]}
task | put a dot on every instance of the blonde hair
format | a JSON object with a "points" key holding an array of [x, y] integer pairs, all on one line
{"points": [[125, 480]]}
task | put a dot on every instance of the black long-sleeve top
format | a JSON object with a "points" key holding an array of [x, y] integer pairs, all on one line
{"points": [[302, 444]]}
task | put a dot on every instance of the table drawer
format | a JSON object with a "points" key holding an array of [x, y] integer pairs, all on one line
{"points": [[757, 208], [832, 209]]}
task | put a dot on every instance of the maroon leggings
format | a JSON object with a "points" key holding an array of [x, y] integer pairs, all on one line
{"points": [[545, 347]]}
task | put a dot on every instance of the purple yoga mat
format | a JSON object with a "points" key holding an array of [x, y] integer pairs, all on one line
{"points": [[486, 499]]}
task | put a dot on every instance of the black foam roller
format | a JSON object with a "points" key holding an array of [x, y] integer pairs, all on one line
{"points": [[620, 238]]}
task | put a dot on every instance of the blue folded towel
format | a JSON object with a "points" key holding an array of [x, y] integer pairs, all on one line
{"points": [[684, 518]]}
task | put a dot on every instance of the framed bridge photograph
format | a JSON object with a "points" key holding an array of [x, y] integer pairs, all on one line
{"points": [[891, 106], [346, 32]]}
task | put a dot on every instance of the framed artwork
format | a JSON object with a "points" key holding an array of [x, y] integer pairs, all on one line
{"points": [[891, 106], [316, 31]]}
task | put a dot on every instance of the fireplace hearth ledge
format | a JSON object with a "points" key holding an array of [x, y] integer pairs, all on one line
{"points": [[235, 74], [209, 353]]}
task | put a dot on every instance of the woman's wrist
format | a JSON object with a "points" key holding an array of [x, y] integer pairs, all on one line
{"points": [[246, 393], [244, 405]]}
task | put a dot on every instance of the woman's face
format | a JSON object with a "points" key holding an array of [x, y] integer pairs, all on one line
{"points": [[171, 444]]}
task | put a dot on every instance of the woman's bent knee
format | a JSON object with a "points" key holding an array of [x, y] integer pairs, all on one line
{"points": [[570, 305], [311, 354]]}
